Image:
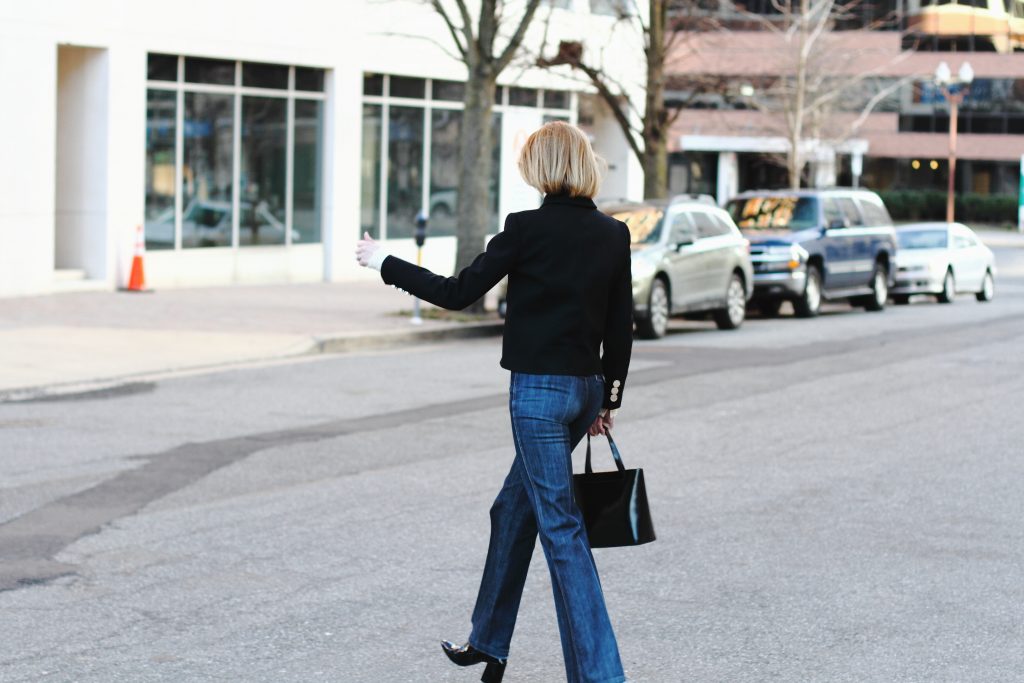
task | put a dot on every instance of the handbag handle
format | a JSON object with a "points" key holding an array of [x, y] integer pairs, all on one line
{"points": [[615, 454]]}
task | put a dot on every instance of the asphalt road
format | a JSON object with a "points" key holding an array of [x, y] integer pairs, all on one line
{"points": [[837, 499]]}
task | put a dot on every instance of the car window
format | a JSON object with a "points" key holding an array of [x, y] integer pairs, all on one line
{"points": [[708, 225], [874, 214], [962, 242], [206, 216], [781, 212], [922, 239], [681, 228], [723, 225], [833, 214], [644, 223], [850, 212]]}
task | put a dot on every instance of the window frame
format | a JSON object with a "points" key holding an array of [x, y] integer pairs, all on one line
{"points": [[385, 100], [237, 91]]}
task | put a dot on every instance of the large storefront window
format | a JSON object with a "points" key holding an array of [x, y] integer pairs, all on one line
{"points": [[160, 165], [264, 163], [307, 183], [251, 153], [206, 171], [411, 163], [372, 165], [446, 127], [405, 169]]}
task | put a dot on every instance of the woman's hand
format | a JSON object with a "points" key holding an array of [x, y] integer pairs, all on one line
{"points": [[602, 423], [365, 249]]}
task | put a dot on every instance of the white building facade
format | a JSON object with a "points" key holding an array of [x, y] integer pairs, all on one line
{"points": [[253, 142]]}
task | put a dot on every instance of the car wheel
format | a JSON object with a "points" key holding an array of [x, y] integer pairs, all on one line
{"points": [[901, 299], [735, 311], [769, 308], [988, 288], [655, 324], [879, 289], [809, 303], [948, 293]]}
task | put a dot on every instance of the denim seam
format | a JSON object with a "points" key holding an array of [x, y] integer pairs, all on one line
{"points": [[487, 650], [555, 578]]}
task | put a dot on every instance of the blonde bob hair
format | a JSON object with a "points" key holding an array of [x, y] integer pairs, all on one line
{"points": [[558, 159]]}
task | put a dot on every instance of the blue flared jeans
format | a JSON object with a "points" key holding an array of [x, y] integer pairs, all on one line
{"points": [[550, 414]]}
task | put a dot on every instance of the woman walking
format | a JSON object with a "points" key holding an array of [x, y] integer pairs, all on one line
{"points": [[569, 293]]}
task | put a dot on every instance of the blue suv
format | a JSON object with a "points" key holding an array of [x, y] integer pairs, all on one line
{"points": [[813, 245]]}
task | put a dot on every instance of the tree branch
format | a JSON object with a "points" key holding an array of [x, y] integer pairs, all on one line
{"points": [[517, 38], [460, 57], [616, 106], [451, 27]]}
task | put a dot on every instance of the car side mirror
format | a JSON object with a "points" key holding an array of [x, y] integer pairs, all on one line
{"points": [[684, 241]]}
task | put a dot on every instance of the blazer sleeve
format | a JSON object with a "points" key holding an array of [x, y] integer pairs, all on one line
{"points": [[618, 331], [458, 292]]}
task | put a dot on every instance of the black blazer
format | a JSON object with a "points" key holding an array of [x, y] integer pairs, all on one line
{"points": [[569, 290]]}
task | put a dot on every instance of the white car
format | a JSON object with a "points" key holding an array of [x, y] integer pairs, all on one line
{"points": [[942, 259]]}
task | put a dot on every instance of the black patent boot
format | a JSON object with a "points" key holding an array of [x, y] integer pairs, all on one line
{"points": [[467, 655]]}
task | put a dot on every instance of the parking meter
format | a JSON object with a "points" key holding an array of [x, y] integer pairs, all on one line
{"points": [[421, 229], [420, 235]]}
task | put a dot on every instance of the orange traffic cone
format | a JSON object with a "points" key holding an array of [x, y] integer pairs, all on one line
{"points": [[137, 279]]}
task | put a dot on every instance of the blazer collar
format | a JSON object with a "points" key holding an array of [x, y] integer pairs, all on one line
{"points": [[585, 202]]}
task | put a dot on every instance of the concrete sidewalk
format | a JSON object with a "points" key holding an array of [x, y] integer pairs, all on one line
{"points": [[57, 343]]}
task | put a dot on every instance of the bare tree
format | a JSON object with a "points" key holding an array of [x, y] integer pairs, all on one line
{"points": [[822, 76], [476, 43], [649, 142]]}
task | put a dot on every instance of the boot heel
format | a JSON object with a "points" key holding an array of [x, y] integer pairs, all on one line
{"points": [[493, 672]]}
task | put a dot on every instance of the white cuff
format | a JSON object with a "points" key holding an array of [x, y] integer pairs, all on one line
{"points": [[609, 412], [377, 260]]}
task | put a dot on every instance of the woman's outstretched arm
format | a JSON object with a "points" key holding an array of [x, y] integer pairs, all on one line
{"points": [[456, 292]]}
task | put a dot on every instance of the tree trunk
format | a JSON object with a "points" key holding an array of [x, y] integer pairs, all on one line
{"points": [[797, 123], [655, 163], [655, 157], [473, 216]]}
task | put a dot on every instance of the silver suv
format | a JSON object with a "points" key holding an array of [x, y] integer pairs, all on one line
{"points": [[688, 258]]}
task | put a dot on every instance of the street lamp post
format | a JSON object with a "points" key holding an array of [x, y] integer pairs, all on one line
{"points": [[954, 90]]}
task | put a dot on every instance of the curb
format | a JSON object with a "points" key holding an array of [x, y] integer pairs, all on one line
{"points": [[387, 340], [319, 345]]}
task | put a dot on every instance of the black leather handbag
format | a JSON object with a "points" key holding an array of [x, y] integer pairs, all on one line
{"points": [[614, 504]]}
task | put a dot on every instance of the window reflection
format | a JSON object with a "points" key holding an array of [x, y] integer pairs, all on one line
{"points": [[405, 163], [446, 125], [206, 172], [371, 170], [256, 75], [160, 131], [162, 67], [213, 71], [309, 79], [522, 97], [262, 180], [446, 129], [306, 198], [207, 165]]}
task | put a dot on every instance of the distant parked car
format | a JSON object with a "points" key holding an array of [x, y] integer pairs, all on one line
{"points": [[207, 223], [814, 245], [942, 259], [688, 258]]}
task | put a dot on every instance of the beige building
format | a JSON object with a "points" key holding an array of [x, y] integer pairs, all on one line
{"points": [[731, 133]]}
